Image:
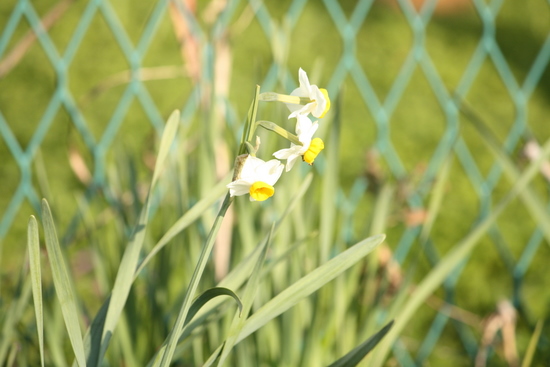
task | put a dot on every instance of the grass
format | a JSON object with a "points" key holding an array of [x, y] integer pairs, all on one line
{"points": [[353, 193]]}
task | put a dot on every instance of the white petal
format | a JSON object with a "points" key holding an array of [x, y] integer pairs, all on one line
{"points": [[305, 136], [268, 168], [271, 172], [320, 100], [305, 90], [287, 153], [250, 166], [284, 153], [303, 124], [254, 170], [239, 187], [299, 92], [299, 110], [290, 162], [304, 81]]}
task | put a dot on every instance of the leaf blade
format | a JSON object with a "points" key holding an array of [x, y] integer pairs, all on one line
{"points": [[353, 357], [209, 294], [63, 285], [457, 254], [248, 298], [33, 246], [106, 323], [309, 284]]}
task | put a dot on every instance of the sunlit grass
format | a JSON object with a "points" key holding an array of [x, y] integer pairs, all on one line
{"points": [[348, 195]]}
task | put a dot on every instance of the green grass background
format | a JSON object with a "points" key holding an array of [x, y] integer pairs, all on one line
{"points": [[381, 46]]}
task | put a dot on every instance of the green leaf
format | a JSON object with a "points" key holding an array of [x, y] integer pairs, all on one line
{"points": [[12, 317], [210, 361], [185, 220], [436, 198], [448, 263], [330, 186], [529, 198], [353, 357], [532, 347], [93, 335], [107, 318], [167, 349], [63, 286], [33, 245], [309, 284], [209, 294], [248, 299], [249, 127], [166, 141], [242, 271]]}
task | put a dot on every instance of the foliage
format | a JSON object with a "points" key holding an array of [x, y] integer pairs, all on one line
{"points": [[454, 192]]}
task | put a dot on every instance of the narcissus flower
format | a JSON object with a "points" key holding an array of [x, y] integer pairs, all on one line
{"points": [[319, 102], [309, 149], [255, 177]]}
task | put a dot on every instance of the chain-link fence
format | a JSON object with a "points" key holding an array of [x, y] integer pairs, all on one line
{"points": [[419, 82]]}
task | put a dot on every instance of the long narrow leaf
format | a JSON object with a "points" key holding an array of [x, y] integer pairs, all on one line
{"points": [[208, 295], [436, 199], [529, 198], [166, 141], [54, 337], [169, 346], [33, 245], [210, 361], [185, 220], [309, 284], [96, 329], [532, 347], [250, 121], [436, 277], [12, 317], [238, 276], [125, 274], [248, 299], [63, 286], [330, 187], [358, 353]]}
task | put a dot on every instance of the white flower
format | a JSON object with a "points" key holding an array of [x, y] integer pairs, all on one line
{"points": [[310, 148], [256, 178], [320, 103]]}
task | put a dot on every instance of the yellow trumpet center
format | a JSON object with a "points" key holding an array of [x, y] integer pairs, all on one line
{"points": [[261, 191], [327, 107], [315, 147]]}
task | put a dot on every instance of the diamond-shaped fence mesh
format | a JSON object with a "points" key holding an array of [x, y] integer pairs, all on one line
{"points": [[414, 77]]}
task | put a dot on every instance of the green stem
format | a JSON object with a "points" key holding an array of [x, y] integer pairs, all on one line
{"points": [[167, 350], [276, 97], [279, 130], [250, 126]]}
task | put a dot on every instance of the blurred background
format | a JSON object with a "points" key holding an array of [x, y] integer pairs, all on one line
{"points": [[417, 87]]}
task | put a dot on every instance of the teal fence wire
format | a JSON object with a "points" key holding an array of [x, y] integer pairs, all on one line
{"points": [[415, 77]]}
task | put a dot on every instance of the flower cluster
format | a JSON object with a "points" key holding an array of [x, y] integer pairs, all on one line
{"points": [[256, 177]]}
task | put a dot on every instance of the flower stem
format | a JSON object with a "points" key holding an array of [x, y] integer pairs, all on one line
{"points": [[279, 130], [250, 126], [167, 351], [276, 97]]}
